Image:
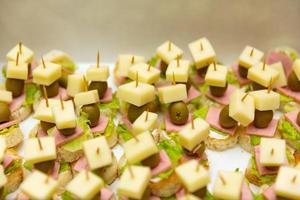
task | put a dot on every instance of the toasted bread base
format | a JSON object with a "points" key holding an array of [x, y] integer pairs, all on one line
{"points": [[14, 137], [166, 187], [14, 178], [22, 113], [221, 144], [68, 156]]}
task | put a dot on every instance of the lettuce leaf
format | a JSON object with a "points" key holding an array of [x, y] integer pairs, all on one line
{"points": [[4, 71], [28, 166], [258, 197], [165, 175], [8, 130], [266, 179], [172, 148], [66, 196], [112, 106], [201, 112], [231, 79], [32, 93], [64, 166], [288, 131], [203, 88], [153, 61], [15, 165], [289, 155], [208, 196], [285, 99], [255, 140], [123, 132], [110, 128]]}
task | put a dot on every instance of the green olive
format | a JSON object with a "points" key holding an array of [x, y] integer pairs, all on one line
{"points": [[45, 167], [100, 86], [63, 81], [225, 120], [200, 193], [179, 113], [2, 192], [53, 89], [293, 82], [163, 67], [93, 113], [153, 106], [243, 71], [4, 112], [218, 91], [46, 125], [67, 131], [202, 71], [151, 161], [298, 119], [146, 195], [16, 86], [262, 118], [188, 84], [256, 86], [134, 112]]}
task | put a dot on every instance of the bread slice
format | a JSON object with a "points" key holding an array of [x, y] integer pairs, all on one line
{"points": [[14, 137], [217, 144], [22, 113]]}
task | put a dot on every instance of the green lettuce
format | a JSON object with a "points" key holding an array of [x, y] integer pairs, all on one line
{"points": [[265, 179], [8, 130], [290, 156], [258, 197], [288, 131], [203, 88], [32, 93], [28, 166], [285, 99], [255, 140], [172, 148], [165, 175], [110, 128], [113, 106], [231, 79], [64, 166], [4, 71], [66, 196], [15, 165], [153, 61], [201, 112], [208, 196], [123, 132]]}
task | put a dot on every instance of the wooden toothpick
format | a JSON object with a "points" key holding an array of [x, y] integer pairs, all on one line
{"points": [[201, 46], [130, 171], [272, 151], [98, 151], [294, 179], [173, 79], [245, 96], [252, 51], [98, 59], [270, 85], [149, 67], [132, 60], [17, 60], [264, 66], [46, 96], [147, 113], [135, 137], [61, 102], [223, 180], [85, 83], [43, 62], [169, 46], [215, 67], [87, 174], [178, 59], [137, 79], [40, 144], [20, 47], [192, 121], [47, 180]]}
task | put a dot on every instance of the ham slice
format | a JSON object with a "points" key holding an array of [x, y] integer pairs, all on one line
{"points": [[198, 79], [212, 118], [8, 160], [60, 139], [261, 169], [265, 132], [241, 80], [55, 170], [17, 103], [292, 118], [8, 124], [224, 100], [170, 127], [180, 193], [41, 133], [23, 196], [106, 194], [107, 96], [287, 92], [126, 122], [81, 164], [274, 57], [270, 194], [102, 124], [192, 94], [164, 164], [246, 193], [63, 93]]}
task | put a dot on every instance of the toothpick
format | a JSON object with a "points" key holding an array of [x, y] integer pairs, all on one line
{"points": [[130, 171], [135, 137], [177, 59], [17, 60], [47, 180], [270, 85], [98, 59], [137, 79], [98, 151], [294, 179], [215, 67], [87, 174], [45, 96], [20, 47], [169, 46], [173, 80], [40, 144], [244, 97], [85, 83], [132, 60], [252, 51], [61, 102], [223, 180], [192, 121], [201, 46], [264, 66], [272, 151], [43, 62], [198, 165], [147, 113], [149, 67]]}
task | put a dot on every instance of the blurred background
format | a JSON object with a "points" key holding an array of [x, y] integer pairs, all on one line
{"points": [[80, 27]]}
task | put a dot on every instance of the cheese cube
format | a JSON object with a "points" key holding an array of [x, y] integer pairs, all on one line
{"points": [[262, 76], [33, 153], [202, 52], [241, 110], [85, 185], [180, 71], [296, 68], [139, 148], [59, 57], [85, 98], [46, 75], [134, 185], [172, 93], [3, 179], [193, 177], [95, 73], [218, 77], [38, 185], [3, 147], [141, 124], [272, 152], [76, 84], [288, 183], [64, 118], [144, 75], [97, 152], [281, 80], [138, 96], [264, 100], [190, 138], [2, 86], [250, 56], [19, 71], [5, 96], [124, 63], [228, 185], [44, 113], [168, 51], [189, 197], [26, 56]]}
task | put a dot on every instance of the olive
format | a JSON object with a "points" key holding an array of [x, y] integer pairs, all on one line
{"points": [[199, 152], [151, 161], [202, 71], [200, 192], [46, 125], [218, 91], [298, 119], [134, 112], [16, 86], [45, 167], [67, 131], [100, 86], [63, 81], [163, 67], [179, 113], [225, 120], [262, 118], [2, 192], [52, 89], [146, 195], [293, 82], [93, 113], [188, 84], [243, 72], [4, 112], [256, 86], [153, 106]]}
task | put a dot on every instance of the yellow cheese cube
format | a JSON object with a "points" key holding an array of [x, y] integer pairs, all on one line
{"points": [[272, 152], [36, 153], [172, 93], [134, 182], [189, 197], [202, 52], [38, 185], [126, 61], [59, 57], [139, 148], [141, 124], [288, 183], [168, 51], [190, 137], [138, 96], [180, 71], [95, 73], [46, 75], [2, 86], [26, 56], [19, 71], [44, 113], [75, 85], [281, 80], [193, 177], [64, 118], [250, 56], [145, 74], [3, 147], [296, 68], [85, 98], [241, 110], [264, 100], [85, 185], [3, 179], [97, 152], [5, 96], [262, 75], [228, 185], [216, 77]]}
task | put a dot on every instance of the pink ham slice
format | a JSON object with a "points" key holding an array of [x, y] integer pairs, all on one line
{"points": [[261, 169], [41, 133], [270, 194], [55, 170], [60, 139], [212, 118], [246, 193], [102, 124], [107, 96], [180, 193], [126, 122], [287, 92], [8, 124], [198, 79], [292, 118], [274, 57], [265, 132], [106, 194], [224, 100], [170, 127], [63, 93], [17, 103], [192, 94], [23, 196], [241, 80], [164, 164], [8, 160], [154, 198], [81, 164]]}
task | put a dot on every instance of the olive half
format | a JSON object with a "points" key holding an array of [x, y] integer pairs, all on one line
{"points": [[202, 71], [45, 167], [262, 118], [100, 86], [163, 67], [135, 111], [200, 193], [93, 113], [16, 86], [63, 81], [153, 106], [179, 113], [4, 112], [218, 91], [256, 86], [298, 118], [46, 125], [151, 161], [225, 120], [243, 72], [67, 131], [53, 89], [293, 82]]}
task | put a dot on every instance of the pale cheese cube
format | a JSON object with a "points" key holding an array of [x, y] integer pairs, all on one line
{"points": [[262, 76], [193, 177], [264, 100], [3, 178], [2, 86], [218, 77], [85, 185], [281, 80], [3, 147], [228, 185], [64, 118], [296, 68], [26, 56], [168, 51], [5, 96], [145, 74], [134, 185], [138, 96], [241, 110], [180, 71], [38, 185], [97, 152], [46, 75], [141, 124], [139, 148], [172, 93], [59, 57], [44, 113], [85, 98], [191, 137], [288, 183], [189, 197], [124, 63], [19, 71], [272, 152], [248, 59], [75, 85], [95, 73]]}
